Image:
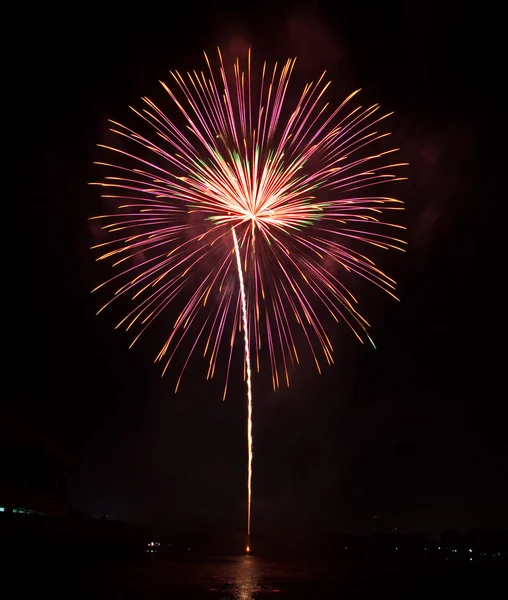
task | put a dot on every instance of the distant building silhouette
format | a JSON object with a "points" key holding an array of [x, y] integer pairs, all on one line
{"points": [[377, 527]]}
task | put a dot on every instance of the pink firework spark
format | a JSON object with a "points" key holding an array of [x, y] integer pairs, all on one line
{"points": [[288, 176]]}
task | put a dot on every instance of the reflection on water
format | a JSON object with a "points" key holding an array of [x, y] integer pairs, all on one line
{"points": [[247, 578], [250, 579]]}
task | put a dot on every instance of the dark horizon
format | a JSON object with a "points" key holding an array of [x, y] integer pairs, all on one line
{"points": [[413, 431]]}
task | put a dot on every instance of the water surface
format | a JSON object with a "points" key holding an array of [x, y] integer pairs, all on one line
{"points": [[257, 578]]}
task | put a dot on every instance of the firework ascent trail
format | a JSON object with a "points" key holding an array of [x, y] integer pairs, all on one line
{"points": [[249, 386]]}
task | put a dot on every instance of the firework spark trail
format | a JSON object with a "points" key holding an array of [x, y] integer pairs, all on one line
{"points": [[249, 386]]}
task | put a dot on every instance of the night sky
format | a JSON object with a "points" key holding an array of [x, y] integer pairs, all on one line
{"points": [[413, 432]]}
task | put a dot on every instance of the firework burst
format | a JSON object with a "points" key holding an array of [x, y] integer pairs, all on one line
{"points": [[288, 177]]}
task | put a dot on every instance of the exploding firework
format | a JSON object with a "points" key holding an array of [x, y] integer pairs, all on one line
{"points": [[247, 183]]}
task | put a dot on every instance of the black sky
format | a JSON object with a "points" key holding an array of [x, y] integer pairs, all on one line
{"points": [[414, 431]]}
